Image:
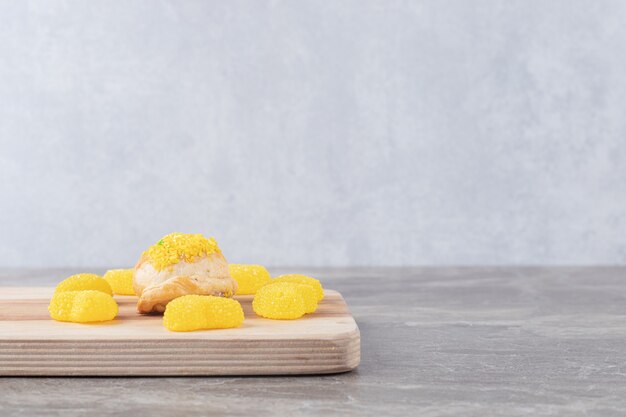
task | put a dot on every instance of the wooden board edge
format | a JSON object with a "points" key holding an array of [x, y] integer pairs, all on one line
{"points": [[347, 358]]}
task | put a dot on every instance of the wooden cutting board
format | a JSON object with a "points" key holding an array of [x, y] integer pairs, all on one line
{"points": [[326, 341]]}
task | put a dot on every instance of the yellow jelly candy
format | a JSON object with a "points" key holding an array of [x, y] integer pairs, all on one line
{"points": [[310, 297], [249, 277], [307, 292], [198, 312], [82, 306], [302, 279], [279, 301], [81, 282], [121, 281]]}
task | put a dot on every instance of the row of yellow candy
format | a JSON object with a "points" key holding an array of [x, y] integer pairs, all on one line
{"points": [[115, 281], [83, 298], [285, 297], [87, 298]]}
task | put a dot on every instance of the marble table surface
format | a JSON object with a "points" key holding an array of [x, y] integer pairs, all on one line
{"points": [[435, 342]]}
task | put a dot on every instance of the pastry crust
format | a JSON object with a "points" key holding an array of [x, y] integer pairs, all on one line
{"points": [[207, 275]]}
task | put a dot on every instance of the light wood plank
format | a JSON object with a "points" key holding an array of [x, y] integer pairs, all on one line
{"points": [[31, 343]]}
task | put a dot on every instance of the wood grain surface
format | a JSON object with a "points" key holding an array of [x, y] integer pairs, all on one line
{"points": [[326, 341]]}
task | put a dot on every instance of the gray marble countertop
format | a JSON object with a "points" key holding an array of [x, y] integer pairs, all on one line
{"points": [[435, 342]]}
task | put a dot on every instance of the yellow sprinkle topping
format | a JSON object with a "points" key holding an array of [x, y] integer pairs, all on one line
{"points": [[80, 282], [249, 277], [82, 306], [177, 247], [198, 312], [121, 281]]}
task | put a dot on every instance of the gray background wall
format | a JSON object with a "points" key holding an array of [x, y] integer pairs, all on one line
{"points": [[314, 132]]}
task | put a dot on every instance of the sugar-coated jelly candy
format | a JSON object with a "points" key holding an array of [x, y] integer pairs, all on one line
{"points": [[302, 279], [85, 306], [279, 301], [81, 282], [249, 277], [198, 312], [121, 281]]}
